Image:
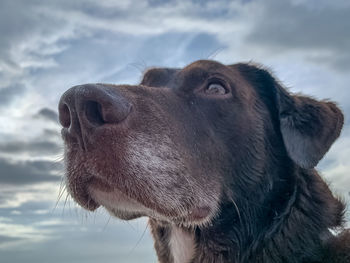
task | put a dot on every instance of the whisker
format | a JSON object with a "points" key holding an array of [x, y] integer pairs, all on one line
{"points": [[61, 192], [108, 220], [65, 203], [139, 241], [215, 53], [237, 210]]}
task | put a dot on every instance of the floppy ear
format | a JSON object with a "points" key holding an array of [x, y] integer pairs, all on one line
{"points": [[308, 127], [158, 77]]}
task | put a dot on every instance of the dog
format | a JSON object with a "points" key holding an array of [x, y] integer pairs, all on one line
{"points": [[219, 157]]}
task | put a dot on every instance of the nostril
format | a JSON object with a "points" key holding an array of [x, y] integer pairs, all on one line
{"points": [[94, 114], [64, 116], [85, 107]]}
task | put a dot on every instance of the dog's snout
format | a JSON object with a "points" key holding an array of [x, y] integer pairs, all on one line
{"points": [[89, 106]]}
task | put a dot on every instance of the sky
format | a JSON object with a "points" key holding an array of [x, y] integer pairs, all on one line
{"points": [[48, 46]]}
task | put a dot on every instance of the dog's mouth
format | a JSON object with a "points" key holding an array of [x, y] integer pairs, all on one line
{"points": [[81, 190], [93, 192], [129, 199]]}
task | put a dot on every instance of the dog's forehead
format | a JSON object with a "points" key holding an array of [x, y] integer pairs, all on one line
{"points": [[206, 65], [199, 68], [196, 71], [203, 68]]}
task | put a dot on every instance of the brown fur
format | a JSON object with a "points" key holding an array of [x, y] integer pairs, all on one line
{"points": [[224, 153]]}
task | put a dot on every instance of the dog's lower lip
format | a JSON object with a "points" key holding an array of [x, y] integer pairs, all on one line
{"points": [[82, 193], [101, 185], [92, 205], [87, 202]]}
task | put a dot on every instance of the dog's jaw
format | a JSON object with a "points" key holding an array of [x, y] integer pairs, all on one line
{"points": [[151, 179]]}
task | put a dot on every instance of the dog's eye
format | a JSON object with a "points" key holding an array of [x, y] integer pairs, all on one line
{"points": [[216, 89]]}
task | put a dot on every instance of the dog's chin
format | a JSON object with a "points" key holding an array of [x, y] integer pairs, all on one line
{"points": [[123, 207], [124, 215], [92, 190], [119, 204]]}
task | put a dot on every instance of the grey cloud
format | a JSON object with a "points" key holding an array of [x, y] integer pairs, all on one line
{"points": [[48, 114], [29, 212], [137, 12], [51, 133], [202, 46], [6, 239], [35, 147], [339, 61], [116, 244], [28, 172], [10, 92], [10, 192], [284, 26], [27, 207], [18, 22], [188, 46], [33, 30], [160, 2]]}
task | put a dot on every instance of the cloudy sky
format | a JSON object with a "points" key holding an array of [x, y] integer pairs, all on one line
{"points": [[48, 46]]}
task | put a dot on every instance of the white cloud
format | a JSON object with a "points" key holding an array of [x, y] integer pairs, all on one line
{"points": [[338, 167], [15, 196], [21, 235]]}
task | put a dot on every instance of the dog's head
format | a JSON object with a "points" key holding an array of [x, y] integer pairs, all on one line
{"points": [[185, 141]]}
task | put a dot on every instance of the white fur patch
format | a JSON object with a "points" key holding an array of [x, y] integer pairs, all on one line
{"points": [[154, 160], [159, 164], [160, 184], [118, 200], [118, 204], [181, 245]]}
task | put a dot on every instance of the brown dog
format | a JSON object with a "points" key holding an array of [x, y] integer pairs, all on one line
{"points": [[220, 158]]}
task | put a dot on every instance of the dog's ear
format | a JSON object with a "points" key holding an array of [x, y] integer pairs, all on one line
{"points": [[158, 77], [308, 127]]}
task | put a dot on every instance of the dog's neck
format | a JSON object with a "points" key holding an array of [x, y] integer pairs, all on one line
{"points": [[181, 245], [260, 233]]}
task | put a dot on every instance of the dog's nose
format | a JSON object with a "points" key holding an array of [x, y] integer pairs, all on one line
{"points": [[85, 107]]}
